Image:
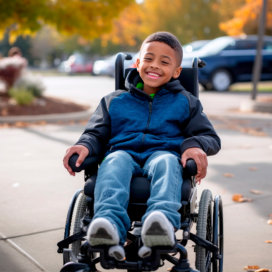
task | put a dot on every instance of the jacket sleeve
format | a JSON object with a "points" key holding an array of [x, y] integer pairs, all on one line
{"points": [[97, 132], [199, 131]]}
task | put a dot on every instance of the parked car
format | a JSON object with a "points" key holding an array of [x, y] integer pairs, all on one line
{"points": [[194, 46], [106, 66], [76, 63], [230, 60]]}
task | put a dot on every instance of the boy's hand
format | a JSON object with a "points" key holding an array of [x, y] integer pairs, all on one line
{"points": [[81, 150], [200, 158]]}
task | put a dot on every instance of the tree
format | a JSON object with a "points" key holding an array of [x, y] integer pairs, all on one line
{"points": [[88, 18], [245, 19], [188, 20], [125, 29], [258, 60]]}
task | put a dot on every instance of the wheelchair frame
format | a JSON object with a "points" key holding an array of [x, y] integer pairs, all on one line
{"points": [[78, 255]]}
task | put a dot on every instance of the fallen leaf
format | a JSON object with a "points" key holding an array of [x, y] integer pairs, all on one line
{"points": [[269, 222], [256, 192], [228, 175], [240, 198], [253, 168], [263, 270], [268, 241], [252, 268]]}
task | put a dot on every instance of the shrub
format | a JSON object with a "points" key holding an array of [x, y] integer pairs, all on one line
{"points": [[22, 96], [32, 83]]}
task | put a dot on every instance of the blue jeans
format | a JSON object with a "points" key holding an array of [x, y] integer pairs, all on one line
{"points": [[112, 187]]}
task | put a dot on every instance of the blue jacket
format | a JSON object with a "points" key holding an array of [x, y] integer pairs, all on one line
{"points": [[131, 120]]}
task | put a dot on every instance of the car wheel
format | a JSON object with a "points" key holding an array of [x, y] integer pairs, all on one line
{"points": [[221, 80]]}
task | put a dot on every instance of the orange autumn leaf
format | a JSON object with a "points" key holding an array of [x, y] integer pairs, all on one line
{"points": [[251, 267], [228, 175], [240, 198], [268, 241], [269, 222], [263, 270]]}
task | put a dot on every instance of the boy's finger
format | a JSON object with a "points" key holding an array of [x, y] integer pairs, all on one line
{"points": [[82, 156]]}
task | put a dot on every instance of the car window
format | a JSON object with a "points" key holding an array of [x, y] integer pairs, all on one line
{"points": [[246, 45], [216, 45], [267, 45]]}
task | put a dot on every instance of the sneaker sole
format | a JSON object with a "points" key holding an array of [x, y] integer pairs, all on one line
{"points": [[101, 237], [156, 234]]}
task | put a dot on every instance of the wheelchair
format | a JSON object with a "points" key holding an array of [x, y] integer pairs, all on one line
{"points": [[207, 214]]}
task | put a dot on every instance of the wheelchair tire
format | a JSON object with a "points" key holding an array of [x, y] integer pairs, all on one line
{"points": [[80, 207], [218, 234], [204, 230], [78, 212]]}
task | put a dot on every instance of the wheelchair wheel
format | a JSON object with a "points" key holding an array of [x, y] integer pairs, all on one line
{"points": [[218, 234], [81, 206], [79, 210], [204, 230]]}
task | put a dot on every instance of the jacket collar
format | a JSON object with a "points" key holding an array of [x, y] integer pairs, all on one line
{"points": [[133, 78]]}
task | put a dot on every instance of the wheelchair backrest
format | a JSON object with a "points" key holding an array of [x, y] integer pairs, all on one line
{"points": [[188, 76]]}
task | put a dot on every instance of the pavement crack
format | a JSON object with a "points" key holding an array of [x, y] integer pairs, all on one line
{"points": [[3, 238]]}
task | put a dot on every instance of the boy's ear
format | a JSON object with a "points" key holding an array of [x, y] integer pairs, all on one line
{"points": [[177, 72], [137, 64]]}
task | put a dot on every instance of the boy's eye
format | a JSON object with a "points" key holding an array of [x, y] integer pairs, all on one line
{"points": [[148, 59], [165, 62]]}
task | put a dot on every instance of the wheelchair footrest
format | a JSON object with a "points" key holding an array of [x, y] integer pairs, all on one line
{"points": [[203, 243], [69, 240]]}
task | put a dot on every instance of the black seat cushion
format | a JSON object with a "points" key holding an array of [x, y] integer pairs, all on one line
{"points": [[139, 189]]}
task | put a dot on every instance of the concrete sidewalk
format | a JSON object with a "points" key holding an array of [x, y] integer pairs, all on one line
{"points": [[36, 191]]}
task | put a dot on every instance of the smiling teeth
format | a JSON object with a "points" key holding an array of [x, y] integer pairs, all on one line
{"points": [[153, 74]]}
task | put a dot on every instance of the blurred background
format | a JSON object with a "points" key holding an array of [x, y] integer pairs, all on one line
{"points": [[84, 36], [71, 35]]}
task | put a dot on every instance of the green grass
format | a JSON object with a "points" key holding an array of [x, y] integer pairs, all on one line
{"points": [[247, 87]]}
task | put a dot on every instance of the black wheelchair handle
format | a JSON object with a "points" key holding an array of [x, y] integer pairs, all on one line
{"points": [[190, 168], [87, 163]]}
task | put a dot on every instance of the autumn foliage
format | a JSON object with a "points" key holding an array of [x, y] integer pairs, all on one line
{"points": [[84, 17], [124, 22], [246, 19]]}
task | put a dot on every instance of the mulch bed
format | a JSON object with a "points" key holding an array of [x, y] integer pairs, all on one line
{"points": [[44, 105]]}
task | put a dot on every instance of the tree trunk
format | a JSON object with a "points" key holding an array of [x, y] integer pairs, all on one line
{"points": [[258, 59]]}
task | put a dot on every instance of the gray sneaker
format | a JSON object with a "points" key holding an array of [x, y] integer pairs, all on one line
{"points": [[102, 232], [157, 230]]}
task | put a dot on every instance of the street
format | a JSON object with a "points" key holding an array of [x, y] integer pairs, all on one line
{"points": [[36, 189]]}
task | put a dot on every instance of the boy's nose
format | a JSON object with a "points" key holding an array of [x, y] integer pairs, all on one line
{"points": [[155, 64]]}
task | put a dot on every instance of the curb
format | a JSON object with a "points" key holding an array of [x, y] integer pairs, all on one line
{"points": [[50, 118], [256, 106], [85, 115]]}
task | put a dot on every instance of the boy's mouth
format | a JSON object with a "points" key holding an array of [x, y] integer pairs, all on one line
{"points": [[153, 75]]}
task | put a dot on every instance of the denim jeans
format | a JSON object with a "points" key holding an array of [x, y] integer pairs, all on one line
{"points": [[112, 187]]}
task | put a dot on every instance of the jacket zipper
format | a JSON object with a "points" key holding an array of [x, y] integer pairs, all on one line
{"points": [[149, 118]]}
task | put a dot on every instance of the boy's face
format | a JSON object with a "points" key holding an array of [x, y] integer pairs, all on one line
{"points": [[156, 65]]}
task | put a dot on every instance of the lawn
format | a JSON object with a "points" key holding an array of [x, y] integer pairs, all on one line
{"points": [[247, 87]]}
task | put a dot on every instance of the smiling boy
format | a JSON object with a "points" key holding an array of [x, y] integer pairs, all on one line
{"points": [[149, 128]]}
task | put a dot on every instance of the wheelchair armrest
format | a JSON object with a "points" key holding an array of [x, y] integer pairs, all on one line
{"points": [[190, 168], [89, 162]]}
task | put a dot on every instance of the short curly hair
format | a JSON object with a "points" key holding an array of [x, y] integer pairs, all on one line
{"points": [[167, 38]]}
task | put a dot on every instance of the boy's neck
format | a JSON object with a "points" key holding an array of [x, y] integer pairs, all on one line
{"points": [[150, 91]]}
